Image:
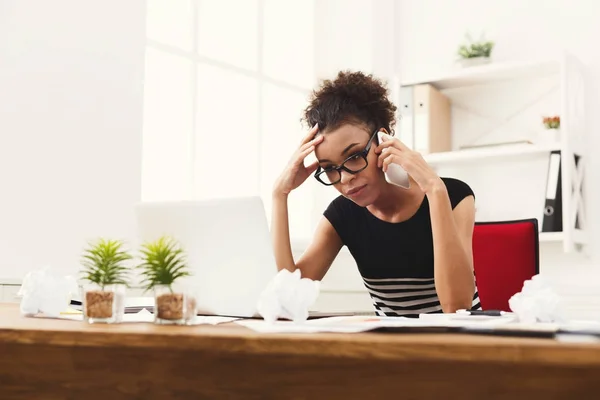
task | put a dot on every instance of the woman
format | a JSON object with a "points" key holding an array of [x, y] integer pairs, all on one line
{"points": [[412, 246]]}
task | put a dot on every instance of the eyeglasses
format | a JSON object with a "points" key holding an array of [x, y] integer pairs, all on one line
{"points": [[353, 165]]}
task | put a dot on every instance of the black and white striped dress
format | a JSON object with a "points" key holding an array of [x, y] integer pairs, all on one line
{"points": [[406, 296], [395, 259]]}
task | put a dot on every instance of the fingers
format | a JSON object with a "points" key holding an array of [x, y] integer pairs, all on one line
{"points": [[391, 143], [305, 151], [310, 135], [312, 167], [392, 158], [312, 143], [385, 154]]}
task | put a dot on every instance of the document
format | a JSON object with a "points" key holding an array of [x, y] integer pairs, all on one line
{"points": [[355, 324]]}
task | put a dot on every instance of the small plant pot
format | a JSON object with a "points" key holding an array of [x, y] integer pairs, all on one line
{"points": [[103, 304], [173, 305], [548, 137], [474, 61]]}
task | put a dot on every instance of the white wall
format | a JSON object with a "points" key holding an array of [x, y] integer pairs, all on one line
{"points": [[70, 128]]}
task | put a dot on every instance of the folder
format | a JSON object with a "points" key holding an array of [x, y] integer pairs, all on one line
{"points": [[406, 112], [577, 221], [432, 120], [552, 219]]}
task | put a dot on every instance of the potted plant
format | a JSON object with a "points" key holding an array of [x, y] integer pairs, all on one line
{"points": [[551, 133], [163, 265], [551, 122], [475, 52], [105, 271]]}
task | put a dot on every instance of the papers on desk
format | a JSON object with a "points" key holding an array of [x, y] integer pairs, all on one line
{"points": [[331, 324], [506, 325], [146, 316], [71, 314], [136, 304], [356, 324], [141, 316]]}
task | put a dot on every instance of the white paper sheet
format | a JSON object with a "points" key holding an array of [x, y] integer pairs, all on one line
{"points": [[212, 320], [146, 316], [141, 316], [292, 327], [355, 324]]}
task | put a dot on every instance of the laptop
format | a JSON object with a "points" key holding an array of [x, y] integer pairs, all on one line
{"points": [[228, 248]]}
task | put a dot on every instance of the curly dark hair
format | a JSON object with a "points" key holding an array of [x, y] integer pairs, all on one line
{"points": [[354, 98]]}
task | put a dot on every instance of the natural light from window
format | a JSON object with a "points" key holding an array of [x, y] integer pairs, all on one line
{"points": [[225, 85]]}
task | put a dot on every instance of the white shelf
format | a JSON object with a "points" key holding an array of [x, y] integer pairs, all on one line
{"points": [[564, 92], [501, 151], [547, 237], [551, 236], [489, 73], [10, 281]]}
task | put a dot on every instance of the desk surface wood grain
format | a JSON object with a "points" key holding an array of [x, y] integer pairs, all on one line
{"points": [[49, 358]]}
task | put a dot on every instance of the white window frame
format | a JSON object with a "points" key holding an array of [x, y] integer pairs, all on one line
{"points": [[259, 75]]}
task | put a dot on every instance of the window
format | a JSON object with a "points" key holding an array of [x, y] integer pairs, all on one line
{"points": [[225, 85]]}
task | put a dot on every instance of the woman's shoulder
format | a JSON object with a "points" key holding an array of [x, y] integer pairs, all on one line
{"points": [[457, 190]]}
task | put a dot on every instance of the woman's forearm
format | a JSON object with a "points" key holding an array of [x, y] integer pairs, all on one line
{"points": [[453, 273], [280, 233]]}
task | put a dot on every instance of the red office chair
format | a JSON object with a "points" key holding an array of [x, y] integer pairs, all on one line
{"points": [[505, 254]]}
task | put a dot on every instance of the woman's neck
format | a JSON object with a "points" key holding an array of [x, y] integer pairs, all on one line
{"points": [[396, 204]]}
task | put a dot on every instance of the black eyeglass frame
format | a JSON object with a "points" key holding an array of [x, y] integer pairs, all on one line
{"points": [[364, 153]]}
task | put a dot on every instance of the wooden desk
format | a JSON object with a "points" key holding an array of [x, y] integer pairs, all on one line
{"points": [[45, 358]]}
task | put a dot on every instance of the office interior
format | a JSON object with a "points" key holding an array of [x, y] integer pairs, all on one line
{"points": [[109, 103], [106, 104]]}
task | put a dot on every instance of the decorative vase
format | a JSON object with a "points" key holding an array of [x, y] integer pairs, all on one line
{"points": [[173, 305], [103, 304], [471, 62]]}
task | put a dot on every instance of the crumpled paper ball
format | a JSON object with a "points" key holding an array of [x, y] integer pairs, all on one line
{"points": [[45, 291], [537, 302], [288, 296]]}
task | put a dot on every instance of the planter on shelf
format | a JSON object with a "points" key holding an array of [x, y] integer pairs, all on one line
{"points": [[474, 61], [549, 137], [473, 52], [551, 133]]}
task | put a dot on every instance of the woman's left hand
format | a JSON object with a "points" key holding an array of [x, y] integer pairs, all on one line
{"points": [[392, 150]]}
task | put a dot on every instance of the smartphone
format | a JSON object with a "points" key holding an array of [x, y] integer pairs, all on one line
{"points": [[396, 175]]}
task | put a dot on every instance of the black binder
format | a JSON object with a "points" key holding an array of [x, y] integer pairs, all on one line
{"points": [[552, 220]]}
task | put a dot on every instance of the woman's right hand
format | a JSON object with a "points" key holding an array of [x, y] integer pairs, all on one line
{"points": [[295, 173]]}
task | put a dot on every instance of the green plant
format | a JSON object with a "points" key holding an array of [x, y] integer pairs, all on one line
{"points": [[552, 122], [163, 262], [471, 49], [103, 263]]}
